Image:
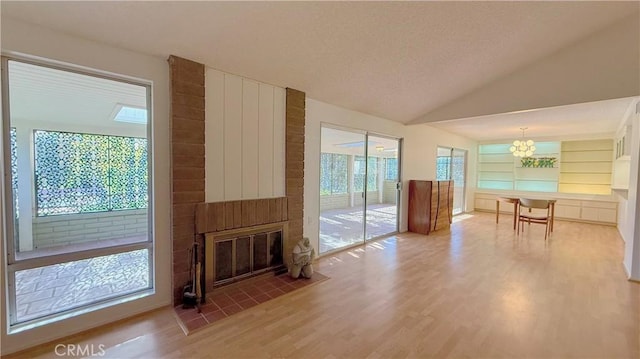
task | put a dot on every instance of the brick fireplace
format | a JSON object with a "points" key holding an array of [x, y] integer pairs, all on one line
{"points": [[191, 218]]}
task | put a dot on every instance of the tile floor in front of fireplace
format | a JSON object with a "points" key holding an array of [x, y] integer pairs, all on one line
{"points": [[231, 299]]}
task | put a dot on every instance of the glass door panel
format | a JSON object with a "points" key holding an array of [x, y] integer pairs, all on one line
{"points": [[443, 164], [382, 186], [451, 165], [342, 177], [458, 175]]}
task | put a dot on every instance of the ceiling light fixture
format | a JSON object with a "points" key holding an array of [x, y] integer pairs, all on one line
{"points": [[379, 148], [522, 148]]}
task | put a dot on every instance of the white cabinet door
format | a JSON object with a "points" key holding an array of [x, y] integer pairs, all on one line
{"points": [[569, 212]]}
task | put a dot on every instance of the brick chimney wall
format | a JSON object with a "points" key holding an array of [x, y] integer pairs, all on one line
{"points": [[294, 166], [187, 161]]}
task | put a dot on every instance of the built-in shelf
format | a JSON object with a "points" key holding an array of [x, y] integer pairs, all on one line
{"points": [[620, 189], [580, 167], [586, 167]]}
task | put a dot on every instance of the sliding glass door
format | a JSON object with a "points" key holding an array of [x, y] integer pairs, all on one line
{"points": [[458, 175], [382, 186], [342, 177], [359, 177]]}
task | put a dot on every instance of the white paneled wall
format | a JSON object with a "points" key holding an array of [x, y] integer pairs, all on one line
{"points": [[279, 112], [265, 143], [250, 144], [244, 138], [214, 135], [232, 151]]}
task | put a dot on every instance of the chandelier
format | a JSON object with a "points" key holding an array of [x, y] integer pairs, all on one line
{"points": [[522, 148]]}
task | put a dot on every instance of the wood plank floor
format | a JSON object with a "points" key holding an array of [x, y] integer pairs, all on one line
{"points": [[477, 291]]}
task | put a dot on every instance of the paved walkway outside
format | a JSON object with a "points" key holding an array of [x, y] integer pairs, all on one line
{"points": [[55, 288], [343, 227]]}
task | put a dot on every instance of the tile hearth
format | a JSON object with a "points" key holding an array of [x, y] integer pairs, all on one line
{"points": [[231, 299]]}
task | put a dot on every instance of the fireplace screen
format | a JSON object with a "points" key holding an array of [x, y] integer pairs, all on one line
{"points": [[224, 259], [246, 255]]}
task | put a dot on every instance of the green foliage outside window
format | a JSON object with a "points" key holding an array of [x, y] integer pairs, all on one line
{"points": [[333, 174], [359, 174], [391, 169], [443, 168]]}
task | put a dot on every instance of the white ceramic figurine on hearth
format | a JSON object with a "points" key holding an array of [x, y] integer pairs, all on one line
{"points": [[303, 254]]}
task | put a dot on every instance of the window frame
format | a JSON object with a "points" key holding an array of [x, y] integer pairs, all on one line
{"points": [[14, 264]]}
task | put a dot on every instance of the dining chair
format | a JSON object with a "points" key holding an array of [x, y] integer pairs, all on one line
{"points": [[525, 213]]}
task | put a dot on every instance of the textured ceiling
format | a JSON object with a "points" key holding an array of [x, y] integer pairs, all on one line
{"points": [[396, 60]]}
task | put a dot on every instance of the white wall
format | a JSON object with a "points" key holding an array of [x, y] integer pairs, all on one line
{"points": [[629, 204], [621, 174], [245, 138], [418, 155], [22, 38]]}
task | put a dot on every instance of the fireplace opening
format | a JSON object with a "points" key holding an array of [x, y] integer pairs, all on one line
{"points": [[233, 256]]}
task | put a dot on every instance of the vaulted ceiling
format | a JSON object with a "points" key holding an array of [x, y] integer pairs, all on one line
{"points": [[410, 62]]}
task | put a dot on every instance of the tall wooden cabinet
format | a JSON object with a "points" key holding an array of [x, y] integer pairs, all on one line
{"points": [[430, 205]]}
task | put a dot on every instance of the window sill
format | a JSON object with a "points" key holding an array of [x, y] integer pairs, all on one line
{"points": [[35, 323]]}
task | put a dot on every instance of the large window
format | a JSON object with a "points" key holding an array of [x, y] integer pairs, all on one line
{"points": [[77, 172], [333, 174], [359, 169], [77, 192]]}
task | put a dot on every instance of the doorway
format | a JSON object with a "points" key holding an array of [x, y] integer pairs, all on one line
{"points": [[359, 191]]}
